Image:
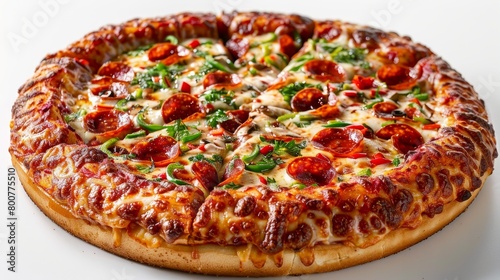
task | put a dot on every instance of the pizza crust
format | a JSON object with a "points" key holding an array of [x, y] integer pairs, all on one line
{"points": [[227, 260]]}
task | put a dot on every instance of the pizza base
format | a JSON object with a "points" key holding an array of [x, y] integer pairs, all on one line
{"points": [[224, 260]]}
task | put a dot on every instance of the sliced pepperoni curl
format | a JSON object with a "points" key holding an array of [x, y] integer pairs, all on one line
{"points": [[108, 124], [327, 112], [109, 88], [233, 171], [404, 137], [340, 142], [397, 77], [162, 150], [325, 70], [179, 106], [287, 45], [327, 30], [308, 99], [311, 170], [162, 51], [221, 79], [237, 47], [236, 119], [385, 109], [168, 53], [363, 82], [117, 70], [206, 174]]}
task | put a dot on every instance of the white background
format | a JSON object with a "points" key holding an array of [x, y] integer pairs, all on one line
{"points": [[465, 33]]}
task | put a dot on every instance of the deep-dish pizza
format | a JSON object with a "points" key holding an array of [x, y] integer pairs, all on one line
{"points": [[250, 143]]}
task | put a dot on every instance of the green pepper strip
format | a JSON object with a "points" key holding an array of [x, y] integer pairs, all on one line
{"points": [[172, 39], [108, 144], [149, 127], [261, 167], [422, 96], [307, 118], [301, 61], [421, 120], [191, 137], [170, 173], [286, 117], [248, 158], [336, 124], [216, 64], [270, 61], [268, 38], [136, 134]]}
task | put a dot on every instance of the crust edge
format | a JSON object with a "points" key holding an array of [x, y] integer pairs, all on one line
{"points": [[217, 260]]}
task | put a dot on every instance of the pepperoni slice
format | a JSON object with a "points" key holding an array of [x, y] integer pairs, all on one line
{"points": [[162, 51], [206, 174], [308, 99], [117, 70], [401, 55], [168, 53], [108, 124], [109, 88], [327, 112], [397, 77], [368, 38], [233, 171], [221, 79], [325, 70], [404, 137], [287, 45], [162, 150], [327, 30], [237, 47], [385, 109], [236, 119], [339, 142], [179, 106], [363, 82], [311, 170]]}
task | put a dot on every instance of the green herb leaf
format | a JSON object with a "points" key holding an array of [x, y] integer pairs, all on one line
{"points": [[199, 157], [74, 116], [396, 161], [139, 51], [155, 77], [290, 90], [180, 132], [145, 168], [216, 118], [231, 186]]}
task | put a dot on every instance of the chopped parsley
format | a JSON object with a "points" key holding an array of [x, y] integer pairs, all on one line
{"points": [[145, 168], [396, 161], [213, 160], [216, 118], [214, 95], [231, 186], [180, 132], [74, 116], [156, 77], [281, 147], [290, 90], [139, 51]]}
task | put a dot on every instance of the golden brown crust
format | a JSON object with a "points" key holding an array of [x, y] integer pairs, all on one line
{"points": [[434, 185], [217, 260]]}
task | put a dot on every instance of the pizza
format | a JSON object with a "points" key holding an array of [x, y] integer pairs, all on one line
{"points": [[250, 143]]}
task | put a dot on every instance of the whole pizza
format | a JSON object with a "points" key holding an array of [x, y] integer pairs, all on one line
{"points": [[250, 143]]}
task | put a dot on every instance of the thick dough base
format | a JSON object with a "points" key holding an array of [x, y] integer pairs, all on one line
{"points": [[219, 260]]}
